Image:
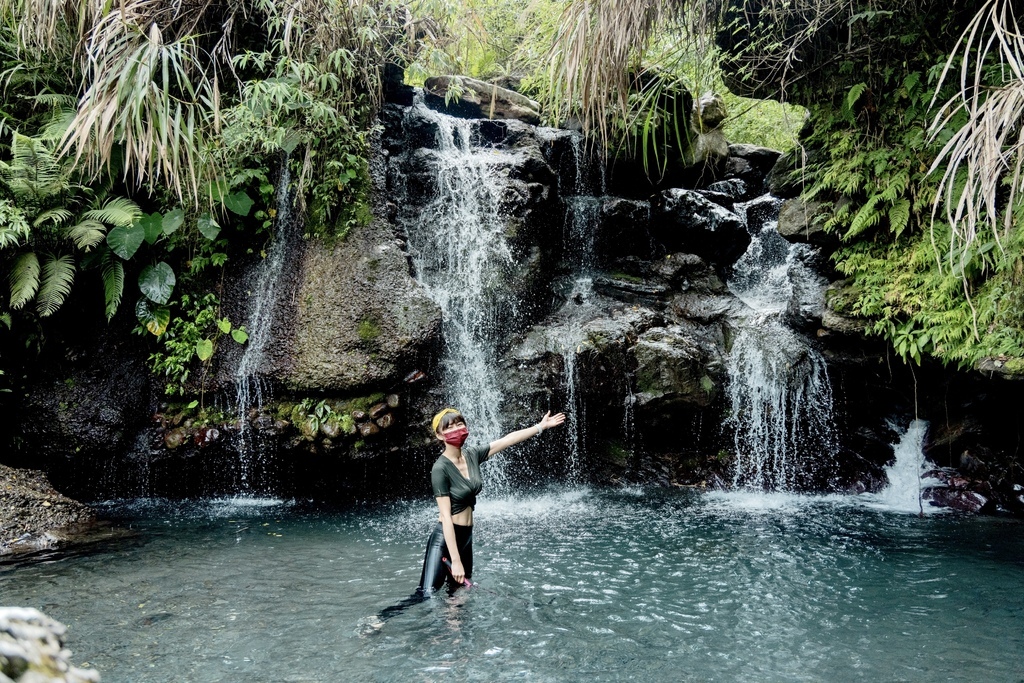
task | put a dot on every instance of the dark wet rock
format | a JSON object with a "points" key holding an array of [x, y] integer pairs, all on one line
{"points": [[625, 228], [725, 201], [34, 516], [801, 221], [760, 159], [33, 649], [89, 402], [175, 437], [785, 178], [385, 421], [674, 367], [393, 87], [832, 319], [689, 222], [834, 322], [377, 410], [205, 436], [629, 290], [330, 429], [367, 429], [734, 188], [476, 99], [702, 306], [360, 416], [749, 163], [973, 466], [1001, 367], [393, 400], [955, 499]]}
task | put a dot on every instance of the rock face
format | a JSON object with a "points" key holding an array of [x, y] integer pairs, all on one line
{"points": [[361, 321], [475, 99], [87, 402], [693, 224], [32, 649]]}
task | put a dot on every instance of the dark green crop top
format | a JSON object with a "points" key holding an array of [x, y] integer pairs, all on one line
{"points": [[448, 481]]}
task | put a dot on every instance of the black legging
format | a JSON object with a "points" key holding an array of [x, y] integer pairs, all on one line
{"points": [[434, 572]]}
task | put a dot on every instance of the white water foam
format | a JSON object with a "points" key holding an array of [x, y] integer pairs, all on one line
{"points": [[780, 394], [903, 494]]}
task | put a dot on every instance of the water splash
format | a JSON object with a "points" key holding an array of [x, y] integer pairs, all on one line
{"points": [[903, 493], [779, 391], [251, 388]]}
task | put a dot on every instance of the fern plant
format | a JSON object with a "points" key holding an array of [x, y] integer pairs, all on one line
{"points": [[51, 228]]}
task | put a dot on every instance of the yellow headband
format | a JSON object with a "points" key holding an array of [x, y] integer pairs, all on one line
{"points": [[436, 422]]}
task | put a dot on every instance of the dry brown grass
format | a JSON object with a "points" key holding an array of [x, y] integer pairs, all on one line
{"points": [[986, 154]]}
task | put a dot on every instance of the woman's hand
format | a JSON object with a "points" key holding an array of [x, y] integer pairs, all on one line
{"points": [[549, 420], [458, 573]]}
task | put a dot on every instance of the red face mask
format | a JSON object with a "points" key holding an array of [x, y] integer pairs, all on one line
{"points": [[457, 437]]}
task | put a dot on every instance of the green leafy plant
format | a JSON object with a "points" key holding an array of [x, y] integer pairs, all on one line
{"points": [[191, 335], [51, 228]]}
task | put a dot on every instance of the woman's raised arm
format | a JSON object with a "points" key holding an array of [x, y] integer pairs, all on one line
{"points": [[520, 435]]}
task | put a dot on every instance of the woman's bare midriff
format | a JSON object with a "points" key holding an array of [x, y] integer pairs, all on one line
{"points": [[464, 518]]}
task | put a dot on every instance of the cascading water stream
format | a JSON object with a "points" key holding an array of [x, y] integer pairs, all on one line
{"points": [[459, 251], [905, 474], [780, 394], [250, 388], [583, 211]]}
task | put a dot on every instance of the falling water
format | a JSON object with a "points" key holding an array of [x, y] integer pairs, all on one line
{"points": [[460, 253], [903, 493], [779, 390], [583, 211], [250, 387]]}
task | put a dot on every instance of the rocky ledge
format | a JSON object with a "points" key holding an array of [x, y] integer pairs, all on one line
{"points": [[34, 516]]}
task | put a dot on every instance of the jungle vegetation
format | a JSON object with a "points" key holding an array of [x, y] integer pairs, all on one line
{"points": [[140, 141]]}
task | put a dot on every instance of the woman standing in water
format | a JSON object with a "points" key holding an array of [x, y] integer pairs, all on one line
{"points": [[456, 481]]}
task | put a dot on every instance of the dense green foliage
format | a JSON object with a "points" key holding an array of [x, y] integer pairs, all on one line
{"points": [[141, 145], [872, 160]]}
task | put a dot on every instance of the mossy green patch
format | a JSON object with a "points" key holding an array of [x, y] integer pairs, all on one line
{"points": [[368, 330]]}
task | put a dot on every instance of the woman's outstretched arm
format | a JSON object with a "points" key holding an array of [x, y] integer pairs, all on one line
{"points": [[518, 436]]}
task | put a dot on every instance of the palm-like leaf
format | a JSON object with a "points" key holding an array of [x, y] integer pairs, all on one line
{"points": [[87, 233], [55, 217], [56, 277], [990, 145], [24, 279], [34, 171], [113, 283], [116, 211]]}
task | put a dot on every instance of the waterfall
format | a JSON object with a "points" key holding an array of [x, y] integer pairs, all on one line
{"points": [[582, 214], [903, 493], [251, 390], [780, 394], [459, 252]]}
